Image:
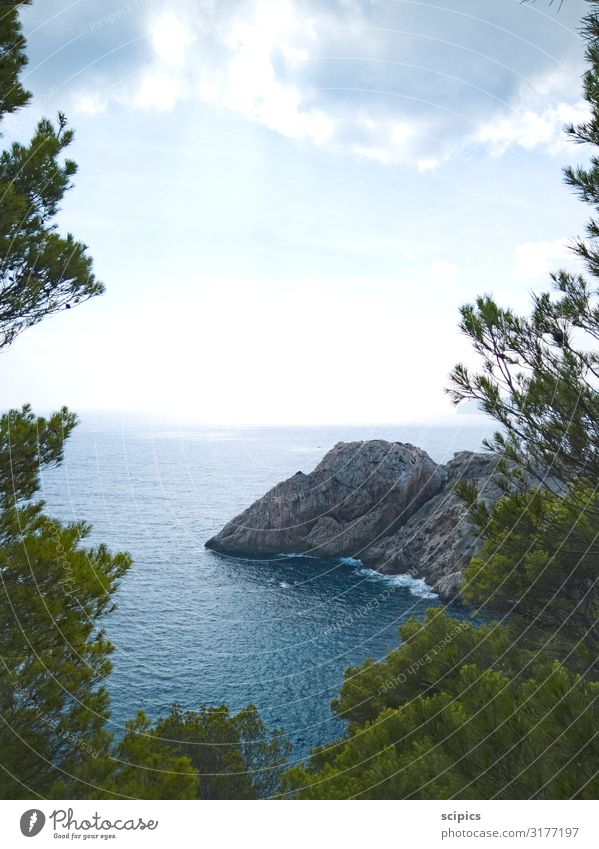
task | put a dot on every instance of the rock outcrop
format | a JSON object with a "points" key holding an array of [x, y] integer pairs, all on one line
{"points": [[387, 504]]}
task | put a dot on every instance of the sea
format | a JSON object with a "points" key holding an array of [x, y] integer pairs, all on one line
{"points": [[200, 628]]}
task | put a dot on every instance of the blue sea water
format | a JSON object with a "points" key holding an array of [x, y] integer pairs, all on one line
{"points": [[197, 627]]}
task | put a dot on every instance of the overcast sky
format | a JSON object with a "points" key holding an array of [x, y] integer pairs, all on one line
{"points": [[288, 200]]}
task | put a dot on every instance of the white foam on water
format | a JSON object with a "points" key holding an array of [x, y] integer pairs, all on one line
{"points": [[295, 555], [417, 586]]}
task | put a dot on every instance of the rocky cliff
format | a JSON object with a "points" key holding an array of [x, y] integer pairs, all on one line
{"points": [[387, 504]]}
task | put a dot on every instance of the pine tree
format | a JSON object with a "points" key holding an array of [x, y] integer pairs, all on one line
{"points": [[458, 712], [233, 755], [539, 372], [41, 272], [53, 592], [53, 595]]}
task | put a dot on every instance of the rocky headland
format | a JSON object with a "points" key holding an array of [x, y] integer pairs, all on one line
{"points": [[387, 504]]}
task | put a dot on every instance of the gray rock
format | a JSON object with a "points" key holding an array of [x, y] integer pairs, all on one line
{"points": [[385, 503], [438, 539], [448, 587]]}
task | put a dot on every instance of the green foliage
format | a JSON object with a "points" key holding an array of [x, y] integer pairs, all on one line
{"points": [[12, 50], [28, 442], [53, 594], [539, 372], [539, 565], [480, 719], [430, 652], [234, 755], [53, 591], [41, 272], [145, 767], [539, 381]]}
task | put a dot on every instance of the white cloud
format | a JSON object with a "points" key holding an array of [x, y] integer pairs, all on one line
{"points": [[90, 103], [312, 71], [158, 89], [444, 268], [163, 84], [530, 129], [248, 82], [244, 79], [537, 115], [240, 69], [534, 259], [424, 165], [170, 38], [384, 139]]}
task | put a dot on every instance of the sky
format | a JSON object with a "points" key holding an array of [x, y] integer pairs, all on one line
{"points": [[289, 200]]}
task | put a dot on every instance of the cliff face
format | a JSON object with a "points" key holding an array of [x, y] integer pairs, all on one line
{"points": [[385, 503]]}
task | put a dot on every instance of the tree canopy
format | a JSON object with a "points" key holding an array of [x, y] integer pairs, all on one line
{"points": [[41, 272], [459, 713], [540, 373]]}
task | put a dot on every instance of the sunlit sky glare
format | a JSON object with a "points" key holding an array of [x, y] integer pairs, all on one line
{"points": [[288, 200]]}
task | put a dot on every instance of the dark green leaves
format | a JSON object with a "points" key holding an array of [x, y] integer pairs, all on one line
{"points": [[41, 272], [12, 57], [27, 444]]}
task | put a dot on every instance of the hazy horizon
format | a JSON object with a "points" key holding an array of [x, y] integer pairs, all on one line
{"points": [[453, 419]]}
